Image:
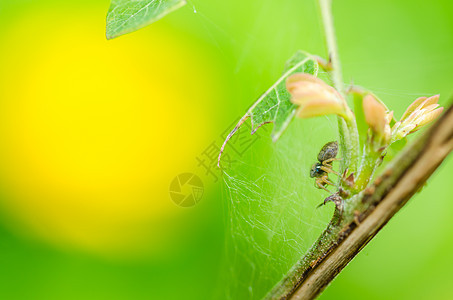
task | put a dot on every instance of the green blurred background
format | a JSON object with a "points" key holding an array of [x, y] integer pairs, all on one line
{"points": [[93, 132]]}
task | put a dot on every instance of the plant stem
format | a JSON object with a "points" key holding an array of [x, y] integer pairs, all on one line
{"points": [[326, 12], [353, 146], [368, 165], [349, 136]]}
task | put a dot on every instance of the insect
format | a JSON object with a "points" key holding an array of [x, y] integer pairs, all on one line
{"points": [[323, 167]]}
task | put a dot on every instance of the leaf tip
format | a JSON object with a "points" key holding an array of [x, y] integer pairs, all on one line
{"points": [[131, 20]]}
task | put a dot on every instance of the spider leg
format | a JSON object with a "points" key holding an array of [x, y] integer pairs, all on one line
{"points": [[329, 170], [326, 180], [320, 184], [328, 161]]}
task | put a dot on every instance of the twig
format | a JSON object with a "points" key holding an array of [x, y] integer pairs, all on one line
{"points": [[326, 13], [349, 136], [366, 213]]}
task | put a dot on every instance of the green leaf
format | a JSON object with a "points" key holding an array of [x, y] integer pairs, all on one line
{"points": [[395, 148], [362, 126], [274, 106], [125, 16]]}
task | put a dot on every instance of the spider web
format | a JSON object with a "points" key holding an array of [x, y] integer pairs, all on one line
{"points": [[270, 203]]}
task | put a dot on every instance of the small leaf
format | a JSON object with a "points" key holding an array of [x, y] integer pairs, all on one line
{"points": [[395, 148], [362, 126], [125, 16], [274, 106]]}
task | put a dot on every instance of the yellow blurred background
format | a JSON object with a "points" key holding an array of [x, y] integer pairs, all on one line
{"points": [[94, 131]]}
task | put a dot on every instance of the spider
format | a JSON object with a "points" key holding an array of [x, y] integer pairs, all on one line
{"points": [[323, 167]]}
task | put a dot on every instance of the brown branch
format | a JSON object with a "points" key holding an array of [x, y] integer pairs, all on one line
{"points": [[365, 214]]}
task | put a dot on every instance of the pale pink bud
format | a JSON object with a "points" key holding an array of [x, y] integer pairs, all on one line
{"points": [[421, 112], [419, 104], [321, 107], [428, 118], [375, 114], [414, 105], [314, 97]]}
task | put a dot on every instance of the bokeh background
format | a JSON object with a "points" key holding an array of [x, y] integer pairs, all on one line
{"points": [[92, 132]]}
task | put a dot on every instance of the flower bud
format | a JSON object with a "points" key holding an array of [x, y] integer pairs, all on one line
{"points": [[421, 112], [427, 118], [419, 104], [314, 97], [375, 114]]}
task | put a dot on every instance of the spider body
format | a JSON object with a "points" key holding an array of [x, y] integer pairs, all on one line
{"points": [[321, 169]]}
